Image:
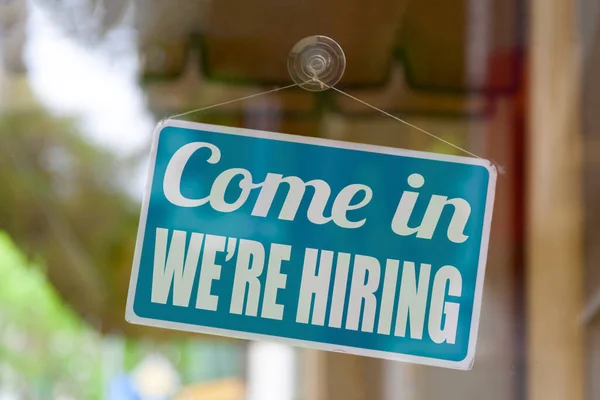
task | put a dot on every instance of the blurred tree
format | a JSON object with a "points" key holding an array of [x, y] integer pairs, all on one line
{"points": [[44, 347], [61, 199], [65, 200], [47, 351]]}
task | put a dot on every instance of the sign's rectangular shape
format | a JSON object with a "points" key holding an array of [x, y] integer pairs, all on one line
{"points": [[336, 246]]}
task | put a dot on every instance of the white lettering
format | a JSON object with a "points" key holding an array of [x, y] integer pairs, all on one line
{"points": [[314, 284], [209, 271], [275, 281], [365, 281], [388, 297], [339, 290], [268, 190], [246, 276], [462, 211], [174, 171], [172, 270], [342, 205], [293, 198], [320, 198], [413, 300], [175, 268], [447, 333], [220, 185]]}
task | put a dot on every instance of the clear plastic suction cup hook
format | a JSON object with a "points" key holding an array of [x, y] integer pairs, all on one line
{"points": [[316, 63]]}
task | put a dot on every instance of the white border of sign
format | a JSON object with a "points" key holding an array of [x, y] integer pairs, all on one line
{"points": [[464, 364]]}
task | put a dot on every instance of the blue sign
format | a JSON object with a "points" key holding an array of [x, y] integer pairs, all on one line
{"points": [[330, 245]]}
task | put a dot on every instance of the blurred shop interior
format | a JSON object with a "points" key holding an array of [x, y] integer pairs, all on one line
{"points": [[84, 82]]}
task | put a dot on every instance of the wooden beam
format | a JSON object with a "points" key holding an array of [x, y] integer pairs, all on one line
{"points": [[554, 206], [335, 376]]}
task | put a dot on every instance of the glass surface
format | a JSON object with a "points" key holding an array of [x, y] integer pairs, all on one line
{"points": [[83, 83]]}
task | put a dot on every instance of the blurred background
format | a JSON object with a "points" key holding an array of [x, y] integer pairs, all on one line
{"points": [[83, 83]]}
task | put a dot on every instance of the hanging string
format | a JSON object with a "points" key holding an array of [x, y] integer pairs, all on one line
{"points": [[233, 101], [314, 79], [405, 122]]}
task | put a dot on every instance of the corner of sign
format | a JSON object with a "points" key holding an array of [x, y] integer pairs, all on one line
{"points": [[130, 315], [161, 126], [494, 168], [466, 364], [165, 123], [470, 364]]}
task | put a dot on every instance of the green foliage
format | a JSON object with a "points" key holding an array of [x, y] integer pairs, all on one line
{"points": [[67, 233], [63, 198], [42, 341]]}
